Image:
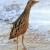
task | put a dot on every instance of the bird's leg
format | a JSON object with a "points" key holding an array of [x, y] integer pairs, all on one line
{"points": [[17, 43], [23, 42]]}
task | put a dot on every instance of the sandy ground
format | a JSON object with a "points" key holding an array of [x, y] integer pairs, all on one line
{"points": [[32, 42]]}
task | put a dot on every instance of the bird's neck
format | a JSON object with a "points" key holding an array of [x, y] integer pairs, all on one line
{"points": [[28, 8]]}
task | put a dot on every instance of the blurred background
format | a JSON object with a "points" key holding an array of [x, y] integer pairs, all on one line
{"points": [[39, 20]]}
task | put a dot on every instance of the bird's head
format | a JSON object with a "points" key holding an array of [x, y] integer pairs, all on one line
{"points": [[31, 3]]}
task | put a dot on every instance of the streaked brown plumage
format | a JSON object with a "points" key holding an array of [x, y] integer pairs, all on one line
{"points": [[21, 24]]}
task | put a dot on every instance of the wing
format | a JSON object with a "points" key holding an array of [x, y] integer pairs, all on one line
{"points": [[19, 27]]}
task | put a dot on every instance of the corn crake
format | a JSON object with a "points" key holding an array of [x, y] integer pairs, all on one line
{"points": [[21, 24]]}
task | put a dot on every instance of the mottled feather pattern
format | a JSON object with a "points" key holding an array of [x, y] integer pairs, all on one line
{"points": [[19, 27]]}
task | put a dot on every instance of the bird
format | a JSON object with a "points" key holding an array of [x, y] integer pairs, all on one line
{"points": [[21, 24]]}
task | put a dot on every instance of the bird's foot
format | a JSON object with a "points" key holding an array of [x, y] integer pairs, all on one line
{"points": [[24, 48]]}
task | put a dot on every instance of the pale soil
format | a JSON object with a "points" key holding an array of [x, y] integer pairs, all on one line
{"points": [[32, 42]]}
